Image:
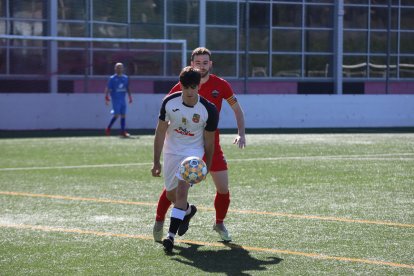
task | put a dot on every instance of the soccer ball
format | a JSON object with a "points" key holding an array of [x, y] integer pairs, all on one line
{"points": [[193, 170]]}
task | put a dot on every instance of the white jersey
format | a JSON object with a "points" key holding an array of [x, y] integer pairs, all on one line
{"points": [[185, 133]]}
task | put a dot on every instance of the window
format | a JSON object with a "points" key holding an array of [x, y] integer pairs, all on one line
{"points": [[221, 26], [287, 15], [318, 65], [147, 11], [221, 13], [320, 16], [286, 40], [221, 38], [183, 11], [319, 41], [355, 41], [110, 11], [407, 18], [355, 17], [286, 66]]}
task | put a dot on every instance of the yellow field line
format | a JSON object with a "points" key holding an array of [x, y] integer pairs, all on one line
{"points": [[276, 214], [211, 244], [397, 224]]}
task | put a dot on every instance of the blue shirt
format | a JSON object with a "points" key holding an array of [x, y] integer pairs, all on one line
{"points": [[118, 85]]}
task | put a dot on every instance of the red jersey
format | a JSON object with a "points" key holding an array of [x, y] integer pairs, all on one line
{"points": [[215, 90]]}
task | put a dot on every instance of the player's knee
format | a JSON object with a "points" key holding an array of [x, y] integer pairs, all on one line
{"points": [[222, 189], [171, 195]]}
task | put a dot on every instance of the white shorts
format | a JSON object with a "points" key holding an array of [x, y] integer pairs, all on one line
{"points": [[171, 174]]}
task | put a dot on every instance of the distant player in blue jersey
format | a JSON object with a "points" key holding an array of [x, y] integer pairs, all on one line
{"points": [[118, 87]]}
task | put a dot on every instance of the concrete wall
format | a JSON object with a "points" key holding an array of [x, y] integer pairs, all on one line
{"points": [[88, 111]]}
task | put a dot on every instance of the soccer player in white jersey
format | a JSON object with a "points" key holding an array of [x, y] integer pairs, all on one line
{"points": [[186, 126]]}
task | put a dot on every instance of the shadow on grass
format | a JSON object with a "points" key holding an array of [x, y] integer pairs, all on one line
{"points": [[236, 261]]}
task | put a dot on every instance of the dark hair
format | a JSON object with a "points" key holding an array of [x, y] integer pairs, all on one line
{"points": [[200, 51], [190, 76]]}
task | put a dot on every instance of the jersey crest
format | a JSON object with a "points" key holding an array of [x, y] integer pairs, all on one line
{"points": [[196, 118], [215, 93]]}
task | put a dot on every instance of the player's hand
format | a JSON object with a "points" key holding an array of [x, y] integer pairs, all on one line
{"points": [[240, 141], [130, 99], [156, 170], [107, 100]]}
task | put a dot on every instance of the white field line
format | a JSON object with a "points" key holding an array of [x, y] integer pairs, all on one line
{"points": [[384, 156], [378, 157], [75, 167]]}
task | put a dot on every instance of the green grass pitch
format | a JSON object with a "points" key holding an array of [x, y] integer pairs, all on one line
{"points": [[301, 204]]}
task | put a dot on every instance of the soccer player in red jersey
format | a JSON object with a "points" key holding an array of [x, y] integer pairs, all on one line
{"points": [[214, 89]]}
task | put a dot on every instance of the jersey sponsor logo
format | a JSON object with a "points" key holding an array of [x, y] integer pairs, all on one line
{"points": [[215, 93], [196, 118], [121, 88], [183, 131]]}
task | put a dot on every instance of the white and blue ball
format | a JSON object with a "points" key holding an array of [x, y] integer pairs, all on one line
{"points": [[193, 170]]}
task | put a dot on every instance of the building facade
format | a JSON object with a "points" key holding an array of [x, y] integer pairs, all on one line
{"points": [[292, 47]]}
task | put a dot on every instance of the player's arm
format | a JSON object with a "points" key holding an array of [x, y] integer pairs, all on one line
{"points": [[129, 93], [160, 132], [231, 99], [208, 147], [107, 99], [209, 133], [239, 114]]}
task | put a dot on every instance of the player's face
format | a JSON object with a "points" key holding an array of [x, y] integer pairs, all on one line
{"points": [[202, 63], [190, 94], [119, 68]]}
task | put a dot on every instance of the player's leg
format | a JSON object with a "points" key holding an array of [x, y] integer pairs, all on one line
{"points": [[170, 184], [220, 178], [158, 228], [163, 205], [221, 203], [222, 199], [162, 208], [123, 120], [116, 111], [177, 214], [168, 194], [191, 210], [111, 123]]}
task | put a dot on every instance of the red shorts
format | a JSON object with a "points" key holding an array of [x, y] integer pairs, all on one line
{"points": [[219, 162]]}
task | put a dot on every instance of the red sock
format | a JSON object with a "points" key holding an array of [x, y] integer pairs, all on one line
{"points": [[163, 205], [221, 203]]}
